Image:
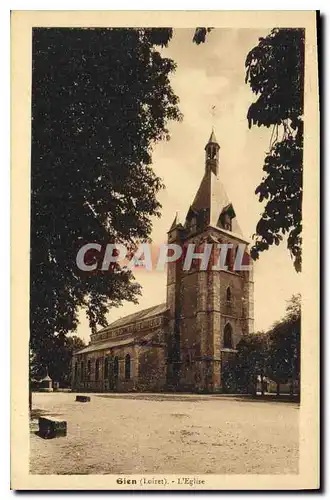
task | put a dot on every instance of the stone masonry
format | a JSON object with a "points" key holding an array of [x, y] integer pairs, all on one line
{"points": [[185, 343]]}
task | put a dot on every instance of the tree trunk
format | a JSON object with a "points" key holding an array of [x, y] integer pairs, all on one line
{"points": [[277, 389], [30, 389]]}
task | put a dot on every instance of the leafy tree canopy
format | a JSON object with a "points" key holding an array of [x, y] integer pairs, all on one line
{"points": [[250, 360], [54, 358], [275, 73], [283, 359], [200, 35], [275, 353], [101, 98]]}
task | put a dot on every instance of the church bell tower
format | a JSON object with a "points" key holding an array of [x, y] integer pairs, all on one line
{"points": [[210, 309]]}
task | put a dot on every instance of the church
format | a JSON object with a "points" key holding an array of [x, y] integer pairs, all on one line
{"points": [[185, 344]]}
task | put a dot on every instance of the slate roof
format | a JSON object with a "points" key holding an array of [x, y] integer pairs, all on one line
{"points": [[107, 344], [135, 317], [148, 313], [211, 197], [212, 139]]}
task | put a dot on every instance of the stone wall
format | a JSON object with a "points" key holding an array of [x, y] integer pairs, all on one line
{"points": [[152, 369], [206, 307], [231, 310], [147, 367], [107, 383], [187, 352]]}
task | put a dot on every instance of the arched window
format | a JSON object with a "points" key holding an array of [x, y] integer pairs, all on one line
{"points": [[211, 152], [127, 366], [89, 369], [228, 337], [106, 368], [228, 295], [97, 370], [227, 222], [116, 367]]}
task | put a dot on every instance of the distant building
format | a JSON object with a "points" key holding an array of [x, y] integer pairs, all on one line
{"points": [[186, 343], [44, 384]]}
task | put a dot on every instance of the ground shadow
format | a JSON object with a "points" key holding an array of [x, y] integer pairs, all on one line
{"points": [[202, 397]]}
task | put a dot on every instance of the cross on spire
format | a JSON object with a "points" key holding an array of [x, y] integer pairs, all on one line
{"points": [[213, 111]]}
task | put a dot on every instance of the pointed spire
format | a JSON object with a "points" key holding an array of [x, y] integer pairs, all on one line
{"points": [[175, 229], [211, 205], [211, 200], [175, 222], [212, 139]]}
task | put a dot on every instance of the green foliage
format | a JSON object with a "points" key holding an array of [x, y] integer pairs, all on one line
{"points": [[275, 73], [101, 98]]}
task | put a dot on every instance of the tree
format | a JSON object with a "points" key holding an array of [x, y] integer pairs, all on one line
{"points": [[283, 363], [275, 73], [293, 308], [101, 98], [200, 35], [274, 354], [251, 359], [55, 357]]}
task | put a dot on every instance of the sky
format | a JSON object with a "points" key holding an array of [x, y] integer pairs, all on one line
{"points": [[213, 74]]}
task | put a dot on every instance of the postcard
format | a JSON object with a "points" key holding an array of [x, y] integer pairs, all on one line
{"points": [[165, 312]]}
